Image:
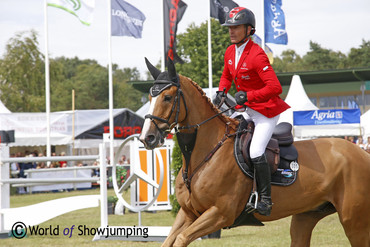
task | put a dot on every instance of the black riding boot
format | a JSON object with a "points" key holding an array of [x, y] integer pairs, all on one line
{"points": [[263, 179]]}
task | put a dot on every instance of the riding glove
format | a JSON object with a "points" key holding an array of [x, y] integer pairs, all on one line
{"points": [[218, 98], [241, 97]]}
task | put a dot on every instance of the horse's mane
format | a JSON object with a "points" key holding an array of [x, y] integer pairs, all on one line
{"points": [[233, 122]]}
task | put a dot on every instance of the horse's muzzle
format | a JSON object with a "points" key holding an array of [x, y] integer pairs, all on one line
{"points": [[151, 140]]}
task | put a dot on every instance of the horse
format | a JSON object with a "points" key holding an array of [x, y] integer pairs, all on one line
{"points": [[334, 174]]}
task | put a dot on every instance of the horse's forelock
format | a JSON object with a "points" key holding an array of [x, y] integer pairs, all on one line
{"points": [[226, 119]]}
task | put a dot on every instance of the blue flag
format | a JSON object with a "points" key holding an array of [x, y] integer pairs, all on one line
{"points": [[275, 23], [126, 19]]}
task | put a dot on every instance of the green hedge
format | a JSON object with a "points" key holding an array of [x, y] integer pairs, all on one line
{"points": [[175, 166]]}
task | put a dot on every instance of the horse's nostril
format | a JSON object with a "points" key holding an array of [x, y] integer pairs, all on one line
{"points": [[150, 139]]}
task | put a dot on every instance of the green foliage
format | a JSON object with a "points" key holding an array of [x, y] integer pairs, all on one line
{"points": [[22, 74], [360, 57], [176, 165], [124, 94], [121, 173], [22, 80], [192, 46], [112, 199]]}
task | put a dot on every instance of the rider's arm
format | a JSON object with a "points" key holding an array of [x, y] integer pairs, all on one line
{"points": [[266, 73], [226, 77]]}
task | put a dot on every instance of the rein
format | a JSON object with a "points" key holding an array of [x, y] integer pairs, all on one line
{"points": [[185, 177]]}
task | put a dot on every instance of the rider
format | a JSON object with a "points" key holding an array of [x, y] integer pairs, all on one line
{"points": [[258, 99]]}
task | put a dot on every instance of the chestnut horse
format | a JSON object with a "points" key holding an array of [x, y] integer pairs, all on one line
{"points": [[332, 172]]}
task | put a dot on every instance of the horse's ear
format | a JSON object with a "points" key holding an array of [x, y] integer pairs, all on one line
{"points": [[171, 69], [153, 70]]}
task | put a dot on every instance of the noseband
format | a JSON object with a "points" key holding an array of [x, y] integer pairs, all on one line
{"points": [[158, 87]]}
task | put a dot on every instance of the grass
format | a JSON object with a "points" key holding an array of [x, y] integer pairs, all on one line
{"points": [[328, 232]]}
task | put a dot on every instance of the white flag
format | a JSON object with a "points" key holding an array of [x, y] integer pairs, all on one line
{"points": [[82, 9]]}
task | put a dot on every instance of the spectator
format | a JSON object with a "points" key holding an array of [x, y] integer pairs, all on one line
{"points": [[367, 146], [80, 164], [360, 143], [123, 159], [54, 164], [63, 163], [95, 172], [40, 165], [351, 139], [14, 168]]}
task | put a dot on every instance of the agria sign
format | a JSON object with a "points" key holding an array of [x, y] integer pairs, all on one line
{"points": [[322, 117]]}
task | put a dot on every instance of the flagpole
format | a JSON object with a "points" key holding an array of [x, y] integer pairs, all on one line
{"points": [[111, 123], [263, 26], [47, 81], [209, 52], [163, 44]]}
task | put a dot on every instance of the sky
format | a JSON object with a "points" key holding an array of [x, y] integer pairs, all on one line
{"points": [[338, 25]]}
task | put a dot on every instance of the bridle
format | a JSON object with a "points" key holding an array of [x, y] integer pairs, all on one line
{"points": [[158, 87]]}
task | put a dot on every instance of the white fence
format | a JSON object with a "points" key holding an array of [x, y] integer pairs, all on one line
{"points": [[8, 216]]}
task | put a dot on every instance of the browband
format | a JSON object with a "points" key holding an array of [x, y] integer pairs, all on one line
{"points": [[161, 85]]}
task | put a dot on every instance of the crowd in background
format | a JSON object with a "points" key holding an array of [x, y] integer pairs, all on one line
{"points": [[359, 141], [18, 169]]}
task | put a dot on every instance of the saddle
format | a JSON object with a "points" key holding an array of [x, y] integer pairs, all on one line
{"points": [[281, 154]]}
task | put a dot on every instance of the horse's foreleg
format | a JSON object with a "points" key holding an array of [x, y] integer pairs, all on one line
{"points": [[210, 221], [302, 225], [182, 221]]}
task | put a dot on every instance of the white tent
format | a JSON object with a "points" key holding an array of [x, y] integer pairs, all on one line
{"points": [[365, 124], [3, 108], [30, 128], [297, 99]]}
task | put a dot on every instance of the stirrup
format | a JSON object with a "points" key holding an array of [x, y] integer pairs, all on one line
{"points": [[252, 202]]}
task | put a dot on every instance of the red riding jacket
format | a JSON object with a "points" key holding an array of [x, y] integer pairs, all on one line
{"points": [[255, 76]]}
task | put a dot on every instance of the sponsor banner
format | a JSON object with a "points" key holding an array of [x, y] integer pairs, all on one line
{"points": [[275, 31], [325, 117], [173, 12], [126, 19]]}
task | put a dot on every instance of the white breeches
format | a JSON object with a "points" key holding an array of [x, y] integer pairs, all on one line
{"points": [[264, 127]]}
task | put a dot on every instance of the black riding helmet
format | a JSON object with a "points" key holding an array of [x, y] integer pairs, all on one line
{"points": [[239, 16]]}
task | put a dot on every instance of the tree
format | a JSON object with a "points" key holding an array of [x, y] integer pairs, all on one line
{"points": [[124, 94], [192, 46], [289, 61], [63, 74], [91, 87], [22, 74], [360, 57], [319, 58]]}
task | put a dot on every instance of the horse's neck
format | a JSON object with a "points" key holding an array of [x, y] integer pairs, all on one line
{"points": [[200, 110]]}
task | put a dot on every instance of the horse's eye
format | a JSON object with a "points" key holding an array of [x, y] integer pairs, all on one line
{"points": [[167, 98]]}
